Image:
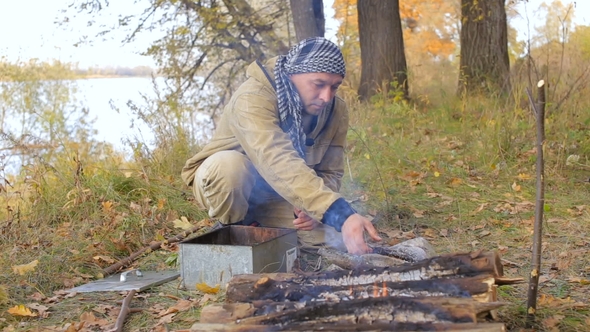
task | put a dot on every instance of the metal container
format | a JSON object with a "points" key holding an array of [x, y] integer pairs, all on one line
{"points": [[215, 257]]}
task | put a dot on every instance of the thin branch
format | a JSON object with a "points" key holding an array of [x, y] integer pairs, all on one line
{"points": [[154, 246], [125, 311], [539, 204]]}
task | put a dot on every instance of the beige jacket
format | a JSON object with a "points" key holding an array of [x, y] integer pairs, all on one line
{"points": [[250, 125]]}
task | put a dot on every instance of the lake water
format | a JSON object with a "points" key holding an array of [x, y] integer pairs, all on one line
{"points": [[104, 96]]}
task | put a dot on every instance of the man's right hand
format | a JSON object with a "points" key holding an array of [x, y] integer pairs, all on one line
{"points": [[353, 231]]}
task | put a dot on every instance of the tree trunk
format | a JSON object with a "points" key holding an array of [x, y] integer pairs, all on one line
{"points": [[484, 63], [382, 49], [308, 18]]}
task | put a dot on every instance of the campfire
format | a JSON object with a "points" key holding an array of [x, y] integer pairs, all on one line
{"points": [[454, 292]]}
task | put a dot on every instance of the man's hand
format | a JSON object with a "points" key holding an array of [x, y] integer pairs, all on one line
{"points": [[303, 221], [353, 231]]}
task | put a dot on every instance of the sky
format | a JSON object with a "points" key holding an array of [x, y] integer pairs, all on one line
{"points": [[28, 30]]}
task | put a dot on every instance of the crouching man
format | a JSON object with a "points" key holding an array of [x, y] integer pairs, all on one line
{"points": [[277, 156]]}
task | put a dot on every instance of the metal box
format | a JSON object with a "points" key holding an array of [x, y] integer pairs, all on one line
{"points": [[215, 257]]}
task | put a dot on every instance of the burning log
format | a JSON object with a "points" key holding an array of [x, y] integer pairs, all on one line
{"points": [[378, 310], [413, 250], [471, 327], [267, 289], [457, 265], [453, 292]]}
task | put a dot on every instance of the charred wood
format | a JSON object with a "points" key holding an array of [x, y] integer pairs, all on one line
{"points": [[385, 310], [268, 289], [471, 327]]}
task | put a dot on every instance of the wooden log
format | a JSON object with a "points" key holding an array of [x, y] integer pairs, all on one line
{"points": [[464, 327], [456, 265], [226, 312], [413, 250], [451, 266], [379, 310], [350, 262], [268, 289]]}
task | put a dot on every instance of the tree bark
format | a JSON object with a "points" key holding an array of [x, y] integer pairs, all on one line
{"points": [[484, 61], [382, 49], [308, 18]]}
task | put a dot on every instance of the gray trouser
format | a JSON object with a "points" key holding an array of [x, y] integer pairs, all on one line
{"points": [[228, 186]]}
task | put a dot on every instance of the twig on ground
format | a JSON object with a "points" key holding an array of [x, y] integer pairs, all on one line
{"points": [[125, 310], [154, 246]]}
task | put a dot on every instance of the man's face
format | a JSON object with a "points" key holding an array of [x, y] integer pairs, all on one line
{"points": [[316, 90]]}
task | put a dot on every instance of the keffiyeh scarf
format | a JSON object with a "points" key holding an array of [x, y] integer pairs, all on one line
{"points": [[312, 55]]}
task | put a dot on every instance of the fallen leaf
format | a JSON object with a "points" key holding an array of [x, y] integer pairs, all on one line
{"points": [[476, 227], [43, 313], [21, 310], [444, 232], [552, 322], [430, 233], [106, 259], [515, 186], [90, 319], [581, 281], [161, 203], [167, 319], [480, 208], [455, 181], [203, 287], [206, 298], [181, 305], [25, 268], [418, 214], [182, 223], [107, 206], [483, 233], [524, 176], [392, 233]]}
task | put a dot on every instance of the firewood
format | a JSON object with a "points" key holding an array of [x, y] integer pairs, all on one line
{"points": [[379, 310], [479, 287], [413, 250], [450, 266], [226, 312], [465, 327], [349, 262]]}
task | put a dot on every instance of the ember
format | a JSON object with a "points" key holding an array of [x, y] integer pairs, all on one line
{"points": [[455, 292]]}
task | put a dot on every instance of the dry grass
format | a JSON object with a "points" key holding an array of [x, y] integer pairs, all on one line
{"points": [[460, 173]]}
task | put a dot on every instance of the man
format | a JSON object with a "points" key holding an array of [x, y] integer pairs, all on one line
{"points": [[278, 150]]}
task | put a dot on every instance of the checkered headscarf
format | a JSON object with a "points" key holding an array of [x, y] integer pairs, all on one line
{"points": [[312, 55]]}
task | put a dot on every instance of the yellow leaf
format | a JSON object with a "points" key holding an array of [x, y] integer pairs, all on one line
{"points": [[515, 186], [161, 203], [21, 310], [436, 174], [203, 287], [107, 206], [524, 176], [182, 223], [579, 280], [368, 156], [25, 268], [106, 259], [455, 181]]}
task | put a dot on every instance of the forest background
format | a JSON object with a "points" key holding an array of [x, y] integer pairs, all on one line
{"points": [[426, 156]]}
